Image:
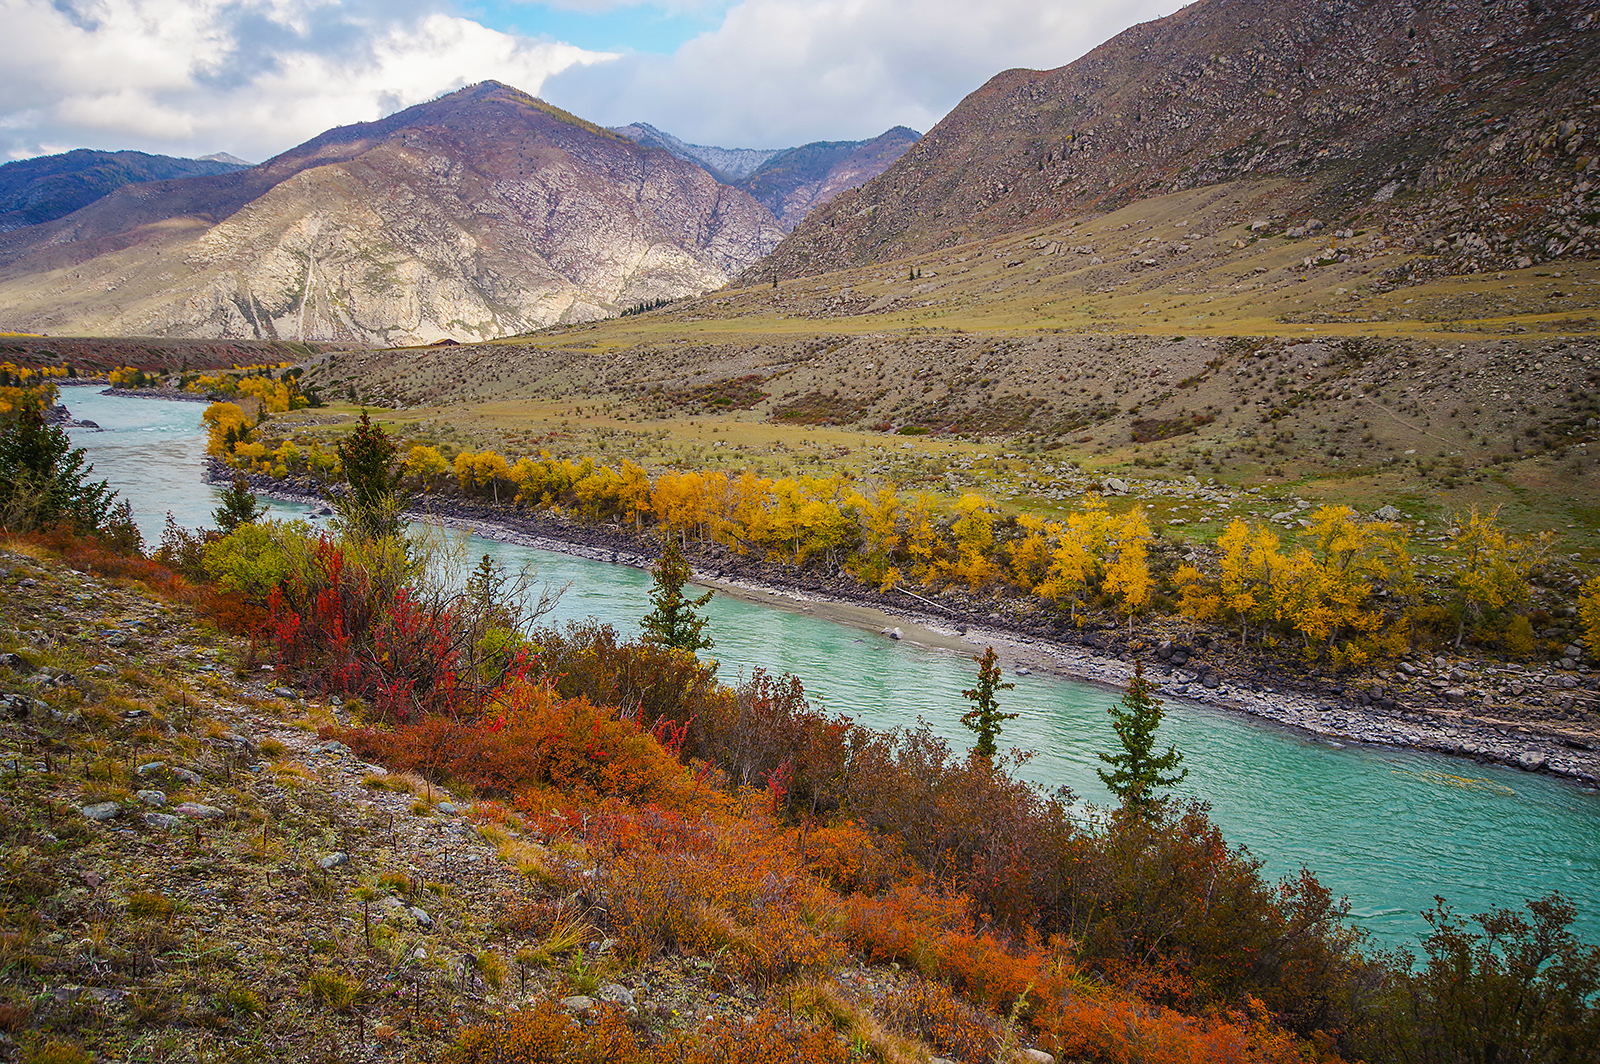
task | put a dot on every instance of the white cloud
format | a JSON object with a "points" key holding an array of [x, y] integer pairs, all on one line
{"points": [[782, 72], [253, 77]]}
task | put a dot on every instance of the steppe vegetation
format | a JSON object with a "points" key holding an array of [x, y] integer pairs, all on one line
{"points": [[444, 830]]}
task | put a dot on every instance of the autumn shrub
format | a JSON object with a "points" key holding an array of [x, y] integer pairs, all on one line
{"points": [[643, 681], [545, 1033], [929, 1011], [1166, 901], [538, 739], [718, 884]]}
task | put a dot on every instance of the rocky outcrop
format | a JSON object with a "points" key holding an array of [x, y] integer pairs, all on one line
{"points": [[1473, 123], [485, 213]]}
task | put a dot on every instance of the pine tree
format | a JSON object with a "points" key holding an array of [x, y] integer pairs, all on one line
{"points": [[674, 623], [985, 717], [42, 478], [371, 508], [1136, 772], [237, 507]]}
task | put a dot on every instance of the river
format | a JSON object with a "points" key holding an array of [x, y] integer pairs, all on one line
{"points": [[1388, 828]]}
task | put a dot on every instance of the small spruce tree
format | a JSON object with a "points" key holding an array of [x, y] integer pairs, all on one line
{"points": [[985, 717], [237, 507], [674, 622], [1137, 771], [371, 508]]}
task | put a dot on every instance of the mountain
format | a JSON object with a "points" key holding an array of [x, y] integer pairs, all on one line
{"points": [[793, 182], [44, 189], [728, 165], [483, 213], [1472, 123], [787, 181]]}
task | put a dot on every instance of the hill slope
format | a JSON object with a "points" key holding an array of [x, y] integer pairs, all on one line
{"points": [[52, 186], [482, 213], [1476, 121]]}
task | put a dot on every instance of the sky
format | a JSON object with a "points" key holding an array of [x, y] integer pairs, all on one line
{"points": [[256, 77]]}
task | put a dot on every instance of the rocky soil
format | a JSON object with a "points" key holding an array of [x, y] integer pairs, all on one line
{"points": [[192, 873]]}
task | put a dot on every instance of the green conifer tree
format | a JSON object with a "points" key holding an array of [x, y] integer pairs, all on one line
{"points": [[985, 717], [674, 622], [1137, 771], [237, 506], [371, 507], [43, 478]]}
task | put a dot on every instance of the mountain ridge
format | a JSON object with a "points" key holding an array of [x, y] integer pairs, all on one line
{"points": [[482, 213], [1385, 109], [42, 189]]}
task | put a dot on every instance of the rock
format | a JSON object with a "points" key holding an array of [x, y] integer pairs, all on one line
{"points": [[1454, 694], [1023, 670], [151, 798], [894, 633], [161, 821], [1211, 681], [448, 808], [102, 811], [1036, 1056], [333, 860], [580, 1005], [617, 994], [1386, 513], [285, 692], [1164, 649], [1408, 668], [150, 768], [420, 916], [1116, 485], [1532, 761], [184, 776], [199, 812], [17, 663]]}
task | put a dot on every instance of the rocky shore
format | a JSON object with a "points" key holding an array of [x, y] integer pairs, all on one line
{"points": [[1539, 719]]}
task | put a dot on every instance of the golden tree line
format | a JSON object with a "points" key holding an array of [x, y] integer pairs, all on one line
{"points": [[1343, 589]]}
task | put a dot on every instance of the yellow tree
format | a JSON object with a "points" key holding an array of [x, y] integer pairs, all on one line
{"points": [[1078, 555], [878, 517], [1488, 568], [973, 534], [681, 502], [921, 535], [635, 493], [1589, 615], [1029, 553], [1128, 562], [1251, 574], [425, 465]]}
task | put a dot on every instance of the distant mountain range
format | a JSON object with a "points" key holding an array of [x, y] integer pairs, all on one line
{"points": [[1472, 123], [789, 182], [484, 213], [52, 186]]}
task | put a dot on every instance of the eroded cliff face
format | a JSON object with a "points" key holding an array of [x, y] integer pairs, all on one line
{"points": [[1472, 122], [482, 214]]}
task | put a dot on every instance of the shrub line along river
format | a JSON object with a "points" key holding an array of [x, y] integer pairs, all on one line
{"points": [[1389, 827]]}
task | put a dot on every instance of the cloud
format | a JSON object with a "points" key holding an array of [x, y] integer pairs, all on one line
{"points": [[782, 72], [252, 77]]}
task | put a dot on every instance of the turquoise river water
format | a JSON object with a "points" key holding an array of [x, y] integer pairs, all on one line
{"points": [[1388, 828]]}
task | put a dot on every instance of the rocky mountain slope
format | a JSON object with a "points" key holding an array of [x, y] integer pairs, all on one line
{"points": [[1474, 123], [794, 181], [728, 165], [483, 213], [789, 181], [52, 186]]}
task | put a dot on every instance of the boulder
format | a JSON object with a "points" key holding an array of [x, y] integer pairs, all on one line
{"points": [[102, 811]]}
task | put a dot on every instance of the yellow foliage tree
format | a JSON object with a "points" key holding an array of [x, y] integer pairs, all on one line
{"points": [[1079, 552], [1589, 615], [425, 465], [1488, 568], [1128, 562]]}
